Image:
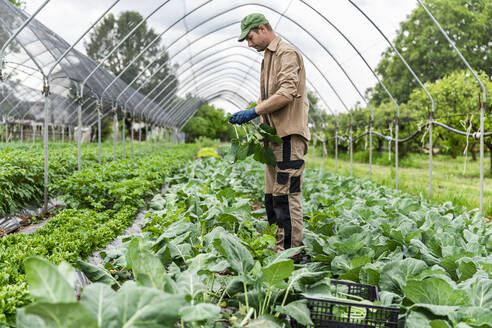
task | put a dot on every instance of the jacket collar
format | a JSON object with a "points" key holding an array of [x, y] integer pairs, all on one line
{"points": [[273, 45]]}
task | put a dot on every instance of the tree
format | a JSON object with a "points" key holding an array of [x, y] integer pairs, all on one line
{"points": [[467, 22], [112, 31], [210, 122], [456, 98]]}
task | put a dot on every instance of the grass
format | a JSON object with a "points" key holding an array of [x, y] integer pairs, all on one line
{"points": [[449, 182]]}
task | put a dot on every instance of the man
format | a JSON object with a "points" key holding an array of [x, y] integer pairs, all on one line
{"points": [[284, 106]]}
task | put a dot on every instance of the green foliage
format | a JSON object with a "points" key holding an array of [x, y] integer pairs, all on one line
{"points": [[199, 251], [117, 184], [254, 144], [456, 104], [427, 51], [208, 122], [73, 234]]}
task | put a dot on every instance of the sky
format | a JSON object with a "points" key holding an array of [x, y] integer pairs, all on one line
{"points": [[230, 65]]}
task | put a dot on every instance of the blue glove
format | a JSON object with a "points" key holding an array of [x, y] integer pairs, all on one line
{"points": [[243, 116]]}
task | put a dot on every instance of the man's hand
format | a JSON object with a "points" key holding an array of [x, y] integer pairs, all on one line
{"points": [[243, 116]]}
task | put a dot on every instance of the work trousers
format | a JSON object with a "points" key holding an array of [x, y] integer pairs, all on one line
{"points": [[283, 191]]}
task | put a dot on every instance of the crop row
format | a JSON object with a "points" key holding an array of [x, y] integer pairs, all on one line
{"points": [[207, 260], [22, 169], [90, 222]]}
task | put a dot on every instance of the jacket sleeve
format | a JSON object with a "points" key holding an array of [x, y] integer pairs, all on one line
{"points": [[288, 75]]}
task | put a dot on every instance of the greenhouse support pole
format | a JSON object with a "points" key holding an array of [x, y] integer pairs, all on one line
{"points": [[484, 91], [79, 123], [46, 92], [115, 131], [147, 137], [350, 146], [99, 117], [139, 140], [397, 128], [336, 149], [371, 122], [123, 135], [132, 133], [431, 122]]}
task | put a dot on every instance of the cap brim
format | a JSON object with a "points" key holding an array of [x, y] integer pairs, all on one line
{"points": [[243, 35]]}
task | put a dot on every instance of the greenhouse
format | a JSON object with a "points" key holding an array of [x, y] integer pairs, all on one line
{"points": [[333, 168]]}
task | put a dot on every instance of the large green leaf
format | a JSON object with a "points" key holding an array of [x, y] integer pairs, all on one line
{"points": [[157, 203], [394, 274], [206, 263], [62, 315], [199, 312], [481, 293], [189, 282], [24, 320], [285, 254], [145, 307], [96, 273], [46, 283], [232, 249], [417, 319], [434, 291], [275, 273], [147, 268], [98, 300], [473, 315], [297, 310]]}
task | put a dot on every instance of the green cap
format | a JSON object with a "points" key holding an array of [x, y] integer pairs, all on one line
{"points": [[249, 22]]}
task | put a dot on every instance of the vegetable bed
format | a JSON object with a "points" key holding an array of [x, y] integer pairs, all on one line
{"points": [[99, 212], [206, 258], [22, 170]]}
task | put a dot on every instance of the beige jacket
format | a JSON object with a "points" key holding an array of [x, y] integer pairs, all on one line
{"points": [[283, 73]]}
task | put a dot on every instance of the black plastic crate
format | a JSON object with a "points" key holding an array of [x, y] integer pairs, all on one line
{"points": [[325, 313]]}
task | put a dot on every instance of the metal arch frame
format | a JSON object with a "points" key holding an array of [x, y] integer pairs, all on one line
{"points": [[161, 117], [317, 68], [307, 57], [202, 70], [148, 79], [274, 10], [175, 107], [482, 105], [221, 42]]}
